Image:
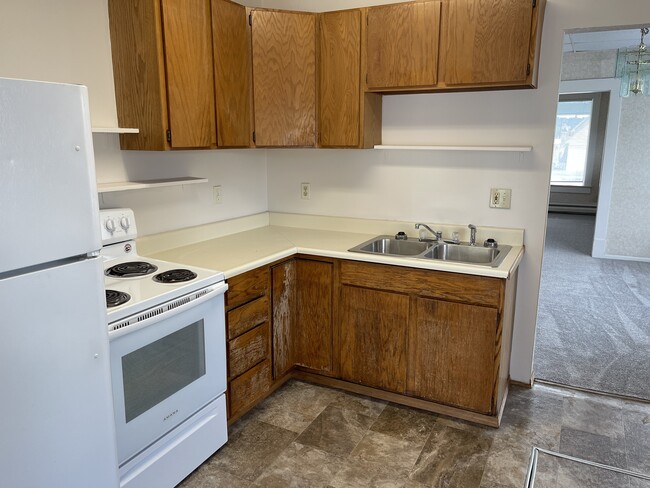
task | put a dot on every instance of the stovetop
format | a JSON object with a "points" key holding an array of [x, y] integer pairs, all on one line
{"points": [[135, 283]]}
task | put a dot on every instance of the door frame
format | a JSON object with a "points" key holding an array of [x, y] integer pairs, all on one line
{"points": [[613, 86]]}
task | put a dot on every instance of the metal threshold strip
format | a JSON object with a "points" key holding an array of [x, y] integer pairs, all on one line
{"points": [[532, 466]]}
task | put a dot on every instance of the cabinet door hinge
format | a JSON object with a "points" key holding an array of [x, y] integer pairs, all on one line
{"points": [[254, 138], [527, 69], [169, 136], [250, 19]]}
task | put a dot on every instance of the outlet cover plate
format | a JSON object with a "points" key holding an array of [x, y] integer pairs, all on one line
{"points": [[500, 197]]}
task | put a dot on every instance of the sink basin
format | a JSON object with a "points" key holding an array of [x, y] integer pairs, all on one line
{"points": [[393, 247], [467, 254], [443, 251]]}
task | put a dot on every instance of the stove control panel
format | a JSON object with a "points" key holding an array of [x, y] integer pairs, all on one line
{"points": [[117, 225]]}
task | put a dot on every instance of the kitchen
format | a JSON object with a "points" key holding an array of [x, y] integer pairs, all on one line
{"points": [[70, 42]]}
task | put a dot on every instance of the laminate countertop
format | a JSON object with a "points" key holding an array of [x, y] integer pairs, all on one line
{"points": [[242, 251]]}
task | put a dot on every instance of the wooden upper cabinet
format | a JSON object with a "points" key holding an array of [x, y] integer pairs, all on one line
{"points": [[139, 72], [190, 82], [340, 78], [487, 42], [402, 45], [232, 73], [166, 76], [284, 78]]}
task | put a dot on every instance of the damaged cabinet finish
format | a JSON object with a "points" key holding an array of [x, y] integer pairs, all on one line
{"points": [[438, 341], [302, 316]]}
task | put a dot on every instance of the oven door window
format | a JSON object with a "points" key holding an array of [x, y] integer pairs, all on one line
{"points": [[156, 371]]}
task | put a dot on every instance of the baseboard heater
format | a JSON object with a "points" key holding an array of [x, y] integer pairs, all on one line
{"points": [[574, 208]]}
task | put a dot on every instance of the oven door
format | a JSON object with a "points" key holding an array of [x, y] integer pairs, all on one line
{"points": [[167, 370]]}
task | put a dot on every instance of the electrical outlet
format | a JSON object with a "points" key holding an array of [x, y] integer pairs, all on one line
{"points": [[217, 194], [500, 197], [305, 191]]}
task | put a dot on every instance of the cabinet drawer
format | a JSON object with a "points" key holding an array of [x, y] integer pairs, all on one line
{"points": [[249, 387], [478, 290], [247, 316], [247, 286], [248, 349]]}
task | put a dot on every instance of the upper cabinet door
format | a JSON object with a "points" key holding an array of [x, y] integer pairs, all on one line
{"points": [[486, 41], [339, 76], [190, 83], [232, 73], [402, 45], [284, 78]]}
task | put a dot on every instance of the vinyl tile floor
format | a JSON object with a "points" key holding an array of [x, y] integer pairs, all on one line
{"points": [[312, 436]]}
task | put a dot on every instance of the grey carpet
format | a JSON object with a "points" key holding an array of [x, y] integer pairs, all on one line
{"points": [[593, 322]]}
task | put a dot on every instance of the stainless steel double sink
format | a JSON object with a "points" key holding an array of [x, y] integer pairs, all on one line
{"points": [[439, 250]]}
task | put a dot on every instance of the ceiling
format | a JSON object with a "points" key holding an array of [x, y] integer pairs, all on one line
{"points": [[602, 40]]}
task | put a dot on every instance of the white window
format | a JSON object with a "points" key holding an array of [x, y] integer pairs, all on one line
{"points": [[572, 161]]}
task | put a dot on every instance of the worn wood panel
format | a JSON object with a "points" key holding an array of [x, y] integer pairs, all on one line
{"points": [[339, 87], [480, 290], [232, 73], [190, 82], [402, 44], [247, 389], [373, 338], [283, 300], [247, 286], [312, 333], [247, 350], [455, 354], [139, 72], [284, 78], [486, 41], [245, 317]]}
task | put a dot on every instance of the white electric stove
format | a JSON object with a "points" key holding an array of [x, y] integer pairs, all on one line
{"points": [[166, 325]]}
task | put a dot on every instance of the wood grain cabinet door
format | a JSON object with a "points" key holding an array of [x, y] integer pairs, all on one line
{"points": [[402, 45], [302, 316], [232, 73], [284, 78], [373, 337], [312, 338], [486, 41], [190, 84], [455, 354], [340, 78]]}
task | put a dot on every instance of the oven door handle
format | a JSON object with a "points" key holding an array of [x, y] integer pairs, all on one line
{"points": [[147, 317]]}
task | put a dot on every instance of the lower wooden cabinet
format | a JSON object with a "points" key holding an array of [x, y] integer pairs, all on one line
{"points": [[248, 331], [302, 316], [434, 340], [454, 354], [374, 327]]}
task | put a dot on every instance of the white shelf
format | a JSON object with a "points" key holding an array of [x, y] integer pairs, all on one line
{"points": [[114, 130], [459, 148], [139, 185]]}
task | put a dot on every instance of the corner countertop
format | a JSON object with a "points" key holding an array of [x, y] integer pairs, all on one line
{"points": [[242, 251]]}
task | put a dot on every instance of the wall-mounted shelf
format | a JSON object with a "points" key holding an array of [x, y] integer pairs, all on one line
{"points": [[139, 185], [459, 148], [114, 130]]}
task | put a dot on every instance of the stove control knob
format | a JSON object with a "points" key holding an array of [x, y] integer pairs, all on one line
{"points": [[125, 223], [110, 225]]}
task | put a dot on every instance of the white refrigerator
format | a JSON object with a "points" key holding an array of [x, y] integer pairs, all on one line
{"points": [[56, 409]]}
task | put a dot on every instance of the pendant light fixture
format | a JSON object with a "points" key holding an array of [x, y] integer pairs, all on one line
{"points": [[633, 67]]}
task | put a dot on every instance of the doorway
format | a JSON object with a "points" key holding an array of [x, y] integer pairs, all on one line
{"points": [[593, 323]]}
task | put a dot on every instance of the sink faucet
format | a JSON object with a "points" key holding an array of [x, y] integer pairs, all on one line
{"points": [[472, 234], [436, 235]]}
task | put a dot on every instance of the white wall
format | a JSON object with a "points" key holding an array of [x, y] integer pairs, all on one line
{"points": [[67, 41], [453, 187]]}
